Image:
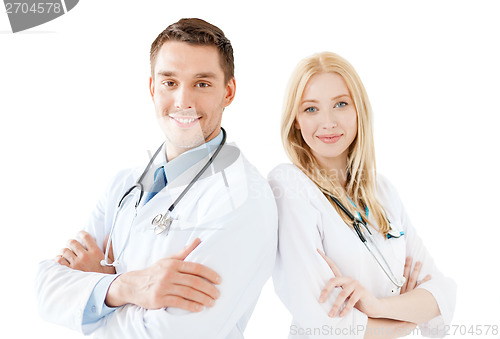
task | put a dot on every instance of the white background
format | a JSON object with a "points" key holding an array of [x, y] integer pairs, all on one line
{"points": [[74, 103]]}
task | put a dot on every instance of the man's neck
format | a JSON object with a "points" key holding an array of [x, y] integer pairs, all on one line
{"points": [[174, 151]]}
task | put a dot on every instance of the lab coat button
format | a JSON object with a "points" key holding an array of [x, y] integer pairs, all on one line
{"points": [[93, 309]]}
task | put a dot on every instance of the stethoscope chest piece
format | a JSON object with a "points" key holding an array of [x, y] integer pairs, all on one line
{"points": [[162, 223]]}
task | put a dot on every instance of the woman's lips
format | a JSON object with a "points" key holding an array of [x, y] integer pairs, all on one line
{"points": [[329, 138]]}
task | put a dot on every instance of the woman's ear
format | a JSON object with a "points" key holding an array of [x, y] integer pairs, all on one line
{"points": [[296, 125]]}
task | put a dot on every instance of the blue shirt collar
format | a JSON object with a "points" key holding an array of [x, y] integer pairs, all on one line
{"points": [[181, 163]]}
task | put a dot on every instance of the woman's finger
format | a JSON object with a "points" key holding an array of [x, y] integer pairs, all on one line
{"points": [[412, 283], [406, 273], [341, 298], [330, 263], [330, 285], [427, 278], [353, 299]]}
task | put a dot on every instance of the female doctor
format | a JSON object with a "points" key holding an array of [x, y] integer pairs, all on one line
{"points": [[344, 234]]}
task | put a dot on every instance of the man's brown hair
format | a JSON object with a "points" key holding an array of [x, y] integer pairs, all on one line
{"points": [[197, 32]]}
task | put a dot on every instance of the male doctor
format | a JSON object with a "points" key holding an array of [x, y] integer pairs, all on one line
{"points": [[200, 275]]}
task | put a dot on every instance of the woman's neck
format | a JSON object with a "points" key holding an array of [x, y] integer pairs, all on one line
{"points": [[336, 168]]}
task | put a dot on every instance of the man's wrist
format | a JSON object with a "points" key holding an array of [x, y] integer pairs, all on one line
{"points": [[116, 295]]}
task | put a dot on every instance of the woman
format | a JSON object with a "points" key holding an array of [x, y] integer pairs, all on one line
{"points": [[330, 199]]}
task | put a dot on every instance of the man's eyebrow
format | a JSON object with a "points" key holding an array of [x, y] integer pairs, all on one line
{"points": [[206, 75], [166, 73]]}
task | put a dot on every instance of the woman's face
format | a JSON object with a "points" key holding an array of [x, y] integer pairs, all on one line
{"points": [[327, 119]]}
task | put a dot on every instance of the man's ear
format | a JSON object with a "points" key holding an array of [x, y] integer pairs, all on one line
{"points": [[152, 87], [230, 92]]}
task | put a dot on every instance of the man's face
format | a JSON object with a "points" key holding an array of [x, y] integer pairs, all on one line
{"points": [[189, 93]]}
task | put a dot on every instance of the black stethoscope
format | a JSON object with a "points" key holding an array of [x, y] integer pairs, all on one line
{"points": [[357, 222], [161, 222]]}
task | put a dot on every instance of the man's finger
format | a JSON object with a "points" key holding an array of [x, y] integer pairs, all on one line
{"points": [[175, 301], [76, 247], [68, 254], [88, 240], [198, 284], [61, 261], [200, 270], [192, 294], [330, 263], [182, 254]]}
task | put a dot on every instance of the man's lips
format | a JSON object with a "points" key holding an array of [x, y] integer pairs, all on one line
{"points": [[184, 121]]}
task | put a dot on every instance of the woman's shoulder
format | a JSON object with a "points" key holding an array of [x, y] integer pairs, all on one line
{"points": [[287, 180], [287, 174], [388, 194]]}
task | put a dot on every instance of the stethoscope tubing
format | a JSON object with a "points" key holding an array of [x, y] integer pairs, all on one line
{"points": [[139, 186], [356, 225]]}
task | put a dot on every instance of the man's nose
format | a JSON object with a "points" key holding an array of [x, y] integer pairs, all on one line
{"points": [[183, 98]]}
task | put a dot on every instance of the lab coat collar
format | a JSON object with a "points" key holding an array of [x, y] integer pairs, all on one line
{"points": [[175, 167]]}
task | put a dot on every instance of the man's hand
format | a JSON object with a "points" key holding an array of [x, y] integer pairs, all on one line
{"points": [[85, 258], [170, 282], [411, 277]]}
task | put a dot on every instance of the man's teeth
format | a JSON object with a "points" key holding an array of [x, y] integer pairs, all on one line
{"points": [[185, 121]]}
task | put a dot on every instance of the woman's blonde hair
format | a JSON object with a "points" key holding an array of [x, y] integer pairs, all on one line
{"points": [[361, 172]]}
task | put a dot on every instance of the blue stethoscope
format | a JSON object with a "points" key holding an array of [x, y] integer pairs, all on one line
{"points": [[357, 222], [161, 222]]}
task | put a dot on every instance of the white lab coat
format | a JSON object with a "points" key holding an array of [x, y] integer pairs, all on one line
{"points": [[308, 221], [234, 214]]}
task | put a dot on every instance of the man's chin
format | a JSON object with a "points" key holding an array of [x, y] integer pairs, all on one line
{"points": [[186, 144]]}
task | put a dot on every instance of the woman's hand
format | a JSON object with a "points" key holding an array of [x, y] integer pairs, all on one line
{"points": [[411, 277], [353, 294]]}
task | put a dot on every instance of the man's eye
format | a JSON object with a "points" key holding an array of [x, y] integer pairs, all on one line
{"points": [[202, 84], [310, 110], [169, 83], [340, 104]]}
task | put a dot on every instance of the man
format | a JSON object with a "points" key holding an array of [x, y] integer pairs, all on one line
{"points": [[198, 275]]}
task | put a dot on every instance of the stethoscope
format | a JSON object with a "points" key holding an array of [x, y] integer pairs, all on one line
{"points": [[356, 222], [161, 222]]}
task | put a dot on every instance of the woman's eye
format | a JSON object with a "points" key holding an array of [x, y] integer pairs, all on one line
{"points": [[310, 110], [340, 104], [202, 84]]}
